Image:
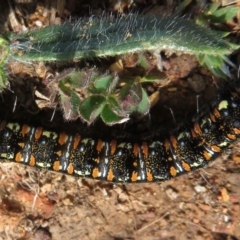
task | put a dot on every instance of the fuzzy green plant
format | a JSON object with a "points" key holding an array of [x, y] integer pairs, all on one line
{"points": [[89, 94], [108, 36]]}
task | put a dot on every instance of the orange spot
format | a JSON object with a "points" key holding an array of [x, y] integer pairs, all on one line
{"points": [[207, 155], [134, 176], [32, 161], [25, 129], [135, 164], [62, 138], [212, 117], [149, 176], [99, 145], [145, 149], [197, 129], [194, 135], [166, 144], [56, 165], [110, 175], [135, 149], [113, 146], [59, 153], [236, 130], [38, 133], [231, 136], [95, 172], [173, 172], [70, 168], [76, 141], [174, 141], [216, 148], [18, 157], [186, 166], [216, 113], [21, 145]]}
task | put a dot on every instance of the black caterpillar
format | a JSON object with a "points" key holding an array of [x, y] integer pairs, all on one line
{"points": [[158, 158]]}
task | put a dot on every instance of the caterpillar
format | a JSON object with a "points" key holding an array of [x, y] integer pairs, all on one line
{"points": [[155, 158]]}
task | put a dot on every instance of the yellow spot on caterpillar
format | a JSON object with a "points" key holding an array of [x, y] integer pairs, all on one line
{"points": [[173, 172], [223, 105], [134, 176]]}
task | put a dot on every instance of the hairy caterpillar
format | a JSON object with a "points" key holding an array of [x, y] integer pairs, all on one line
{"points": [[155, 158]]}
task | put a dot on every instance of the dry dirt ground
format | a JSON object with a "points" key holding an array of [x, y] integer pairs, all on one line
{"points": [[44, 205]]}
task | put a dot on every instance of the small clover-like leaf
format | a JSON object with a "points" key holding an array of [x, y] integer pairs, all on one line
{"points": [[110, 117], [104, 82], [91, 107], [69, 101], [130, 96], [144, 105]]}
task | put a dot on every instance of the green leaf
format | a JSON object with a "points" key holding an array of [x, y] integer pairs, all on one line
{"points": [[217, 65], [103, 82], [69, 105], [225, 14], [3, 79], [130, 96], [151, 79], [144, 105], [110, 117], [182, 6], [91, 107], [4, 50], [212, 8]]}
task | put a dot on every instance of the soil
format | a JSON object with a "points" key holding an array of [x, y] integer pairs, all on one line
{"points": [[42, 205]]}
